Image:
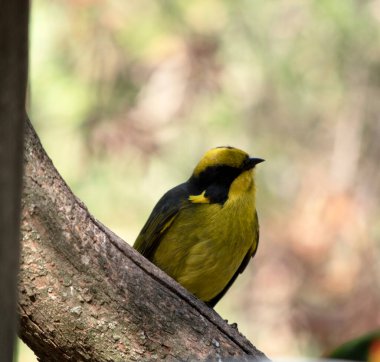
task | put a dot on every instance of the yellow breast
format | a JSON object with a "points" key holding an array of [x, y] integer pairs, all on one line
{"points": [[206, 243]]}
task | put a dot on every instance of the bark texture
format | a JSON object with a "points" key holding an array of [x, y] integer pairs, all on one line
{"points": [[85, 295], [13, 78]]}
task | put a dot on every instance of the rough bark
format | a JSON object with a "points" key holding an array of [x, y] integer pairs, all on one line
{"points": [[85, 295], [13, 78]]}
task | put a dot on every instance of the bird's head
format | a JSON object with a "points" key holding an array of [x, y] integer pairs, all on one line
{"points": [[222, 173]]}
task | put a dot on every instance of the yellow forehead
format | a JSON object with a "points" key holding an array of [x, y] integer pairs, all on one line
{"points": [[229, 156]]}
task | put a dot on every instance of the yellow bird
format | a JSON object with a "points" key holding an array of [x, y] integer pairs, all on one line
{"points": [[204, 231]]}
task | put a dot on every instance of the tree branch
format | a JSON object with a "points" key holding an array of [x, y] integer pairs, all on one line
{"points": [[85, 295], [13, 79]]}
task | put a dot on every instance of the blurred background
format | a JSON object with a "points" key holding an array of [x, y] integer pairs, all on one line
{"points": [[127, 95]]}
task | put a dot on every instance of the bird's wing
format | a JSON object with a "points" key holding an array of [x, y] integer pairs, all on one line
{"points": [[250, 254], [160, 220]]}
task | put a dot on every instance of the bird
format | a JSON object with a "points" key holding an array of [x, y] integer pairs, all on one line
{"points": [[204, 232]]}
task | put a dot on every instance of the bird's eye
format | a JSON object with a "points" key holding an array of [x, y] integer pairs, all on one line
{"points": [[221, 174]]}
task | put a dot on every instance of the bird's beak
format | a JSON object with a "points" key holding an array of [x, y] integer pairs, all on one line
{"points": [[252, 162]]}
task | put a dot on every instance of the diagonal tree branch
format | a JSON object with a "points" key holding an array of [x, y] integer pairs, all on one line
{"points": [[85, 295]]}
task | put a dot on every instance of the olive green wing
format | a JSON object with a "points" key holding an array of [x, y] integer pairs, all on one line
{"points": [[250, 254], [162, 216]]}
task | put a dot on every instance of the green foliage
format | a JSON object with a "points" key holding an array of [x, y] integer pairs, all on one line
{"points": [[359, 349]]}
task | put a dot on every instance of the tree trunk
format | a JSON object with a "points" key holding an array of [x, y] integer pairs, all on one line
{"points": [[13, 79], [85, 295]]}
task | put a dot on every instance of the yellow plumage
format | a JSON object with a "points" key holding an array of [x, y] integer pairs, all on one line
{"points": [[203, 232]]}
